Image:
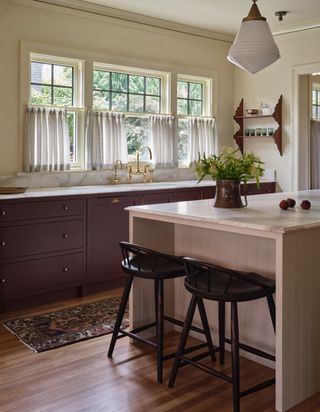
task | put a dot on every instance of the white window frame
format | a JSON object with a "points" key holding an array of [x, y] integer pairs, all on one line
{"points": [[207, 103], [165, 77], [78, 99]]}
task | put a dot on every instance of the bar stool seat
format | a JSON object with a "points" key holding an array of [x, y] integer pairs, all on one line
{"points": [[223, 285], [146, 263]]}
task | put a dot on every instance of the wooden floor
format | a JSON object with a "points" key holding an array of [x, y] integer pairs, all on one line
{"points": [[80, 377]]}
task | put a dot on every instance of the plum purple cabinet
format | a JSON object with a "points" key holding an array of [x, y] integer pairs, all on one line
{"points": [[108, 224]]}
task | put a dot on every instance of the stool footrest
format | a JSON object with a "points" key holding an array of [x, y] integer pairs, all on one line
{"points": [[180, 323], [142, 328], [211, 371], [188, 350], [137, 337], [258, 387], [253, 350]]}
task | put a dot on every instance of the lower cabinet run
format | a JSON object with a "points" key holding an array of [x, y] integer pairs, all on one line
{"points": [[52, 248]]}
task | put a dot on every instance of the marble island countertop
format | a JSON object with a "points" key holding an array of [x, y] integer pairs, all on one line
{"points": [[108, 189], [262, 213]]}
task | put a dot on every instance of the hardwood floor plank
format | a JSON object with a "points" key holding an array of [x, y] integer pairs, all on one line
{"points": [[81, 378]]}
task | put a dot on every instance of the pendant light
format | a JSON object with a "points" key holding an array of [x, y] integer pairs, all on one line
{"points": [[253, 48]]}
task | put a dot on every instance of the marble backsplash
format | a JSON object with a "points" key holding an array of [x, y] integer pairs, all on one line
{"points": [[88, 178]]}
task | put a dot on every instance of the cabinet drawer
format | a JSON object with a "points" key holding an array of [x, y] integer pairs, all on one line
{"points": [[41, 273], [37, 210], [39, 238]]}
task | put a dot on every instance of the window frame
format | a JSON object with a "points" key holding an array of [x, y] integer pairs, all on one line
{"points": [[165, 93], [207, 103], [77, 107], [165, 106]]}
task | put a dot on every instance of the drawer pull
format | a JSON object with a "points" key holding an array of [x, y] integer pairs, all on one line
{"points": [[65, 235], [65, 208], [65, 269], [3, 280], [115, 200], [3, 243], [3, 212]]}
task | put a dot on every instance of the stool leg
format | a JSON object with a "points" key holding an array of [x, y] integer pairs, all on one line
{"points": [[158, 283], [235, 357], [272, 310], [183, 340], [222, 322], [206, 329], [122, 308]]}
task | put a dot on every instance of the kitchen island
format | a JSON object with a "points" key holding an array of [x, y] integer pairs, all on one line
{"points": [[281, 244]]}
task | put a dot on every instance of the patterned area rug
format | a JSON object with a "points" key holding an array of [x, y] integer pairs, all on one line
{"points": [[52, 330]]}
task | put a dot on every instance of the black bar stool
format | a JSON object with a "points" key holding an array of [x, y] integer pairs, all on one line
{"points": [[222, 285], [150, 264]]}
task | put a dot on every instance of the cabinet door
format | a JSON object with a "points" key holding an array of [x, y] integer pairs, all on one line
{"points": [[264, 187], [107, 225], [208, 192], [153, 198], [183, 195]]}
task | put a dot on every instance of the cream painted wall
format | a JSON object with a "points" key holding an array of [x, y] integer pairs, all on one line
{"points": [[297, 49], [88, 36]]}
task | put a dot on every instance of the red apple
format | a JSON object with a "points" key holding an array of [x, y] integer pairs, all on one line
{"points": [[305, 204], [291, 202], [284, 204]]}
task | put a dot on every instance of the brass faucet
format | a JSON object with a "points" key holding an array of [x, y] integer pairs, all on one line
{"points": [[146, 168], [116, 180]]}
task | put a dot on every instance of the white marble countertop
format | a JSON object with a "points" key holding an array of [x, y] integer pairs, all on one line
{"points": [[262, 212], [107, 189], [104, 189]]}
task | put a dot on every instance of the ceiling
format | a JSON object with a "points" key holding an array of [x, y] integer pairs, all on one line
{"points": [[222, 16]]}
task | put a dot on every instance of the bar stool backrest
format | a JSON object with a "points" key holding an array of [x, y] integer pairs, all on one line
{"points": [[218, 283], [148, 261]]}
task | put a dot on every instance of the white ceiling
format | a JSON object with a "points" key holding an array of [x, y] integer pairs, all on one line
{"points": [[222, 16]]}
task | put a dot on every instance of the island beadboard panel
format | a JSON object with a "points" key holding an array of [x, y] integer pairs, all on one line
{"points": [[64, 246]]}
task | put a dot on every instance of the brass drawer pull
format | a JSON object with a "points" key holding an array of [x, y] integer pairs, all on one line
{"points": [[3, 280], [115, 200], [65, 269], [3, 243], [3, 212], [65, 208], [65, 235]]}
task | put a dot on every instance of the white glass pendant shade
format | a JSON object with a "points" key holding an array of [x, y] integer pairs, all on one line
{"points": [[253, 48]]}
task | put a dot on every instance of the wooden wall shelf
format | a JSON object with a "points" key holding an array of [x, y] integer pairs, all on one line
{"points": [[239, 118]]}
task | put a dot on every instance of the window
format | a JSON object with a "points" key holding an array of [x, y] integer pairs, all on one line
{"points": [[138, 93], [190, 98], [126, 93], [55, 81], [316, 103], [193, 99]]}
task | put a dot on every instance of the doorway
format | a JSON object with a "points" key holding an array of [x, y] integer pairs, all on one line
{"points": [[301, 115]]}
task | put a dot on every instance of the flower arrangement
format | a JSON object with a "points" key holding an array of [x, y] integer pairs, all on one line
{"points": [[231, 165]]}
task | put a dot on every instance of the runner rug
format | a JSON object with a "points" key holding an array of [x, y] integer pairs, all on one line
{"points": [[71, 325]]}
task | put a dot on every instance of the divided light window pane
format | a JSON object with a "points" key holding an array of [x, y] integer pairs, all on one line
{"points": [[189, 98], [126, 92], [51, 84], [316, 104], [137, 129]]}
